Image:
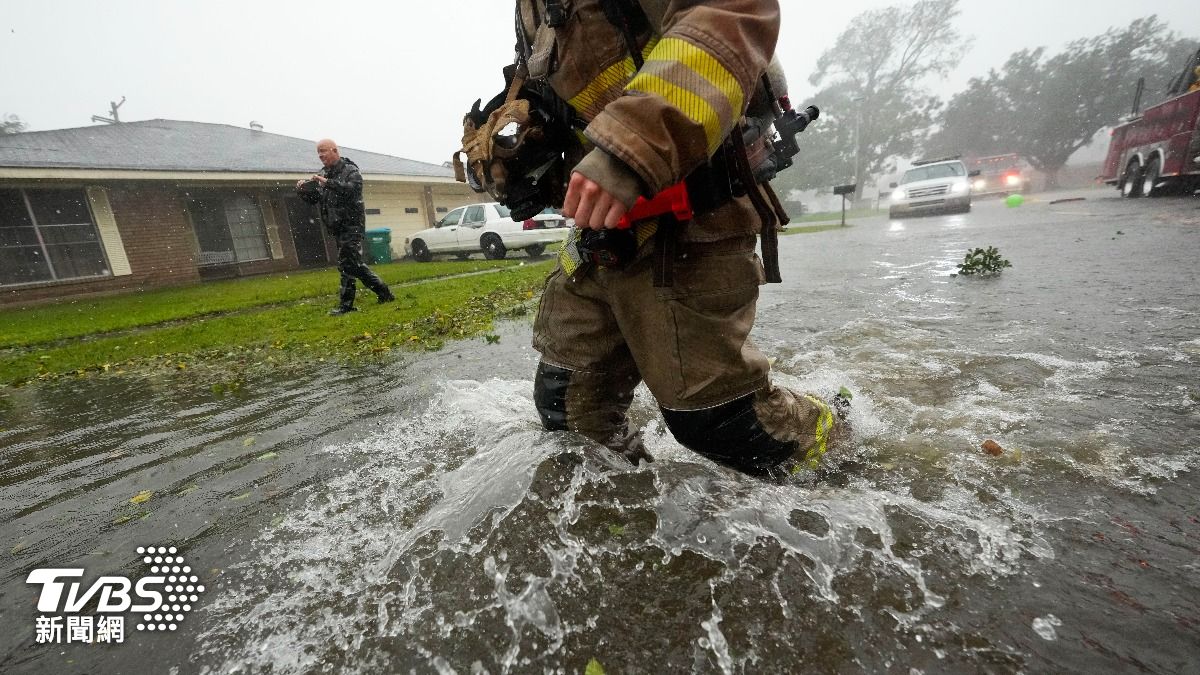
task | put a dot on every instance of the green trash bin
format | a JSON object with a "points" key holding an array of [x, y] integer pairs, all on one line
{"points": [[379, 246]]}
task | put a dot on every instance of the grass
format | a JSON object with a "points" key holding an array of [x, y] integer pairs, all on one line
{"points": [[256, 330], [837, 215], [809, 229], [79, 317]]}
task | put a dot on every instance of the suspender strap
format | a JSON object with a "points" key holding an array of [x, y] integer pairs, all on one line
{"points": [[664, 251], [769, 235]]}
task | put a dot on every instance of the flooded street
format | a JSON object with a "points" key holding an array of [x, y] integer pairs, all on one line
{"points": [[415, 517]]}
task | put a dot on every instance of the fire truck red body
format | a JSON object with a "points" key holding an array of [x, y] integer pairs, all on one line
{"points": [[1158, 151]]}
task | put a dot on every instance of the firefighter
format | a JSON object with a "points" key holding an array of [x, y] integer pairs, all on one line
{"points": [[657, 88]]}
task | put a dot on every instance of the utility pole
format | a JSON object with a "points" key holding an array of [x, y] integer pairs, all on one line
{"points": [[115, 119], [857, 123]]}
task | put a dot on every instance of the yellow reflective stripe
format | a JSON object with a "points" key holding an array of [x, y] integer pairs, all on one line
{"points": [[693, 106], [703, 64], [671, 52], [612, 78], [608, 86], [824, 426]]}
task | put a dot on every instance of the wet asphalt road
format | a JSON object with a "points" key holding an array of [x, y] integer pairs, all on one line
{"points": [[413, 516]]}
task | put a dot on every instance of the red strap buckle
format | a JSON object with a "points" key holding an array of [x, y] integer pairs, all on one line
{"points": [[673, 200]]}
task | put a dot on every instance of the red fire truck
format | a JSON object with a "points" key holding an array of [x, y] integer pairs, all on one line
{"points": [[1158, 150]]}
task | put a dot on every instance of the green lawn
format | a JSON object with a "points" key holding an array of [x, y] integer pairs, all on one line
{"points": [[74, 318], [809, 229], [231, 327], [837, 215]]}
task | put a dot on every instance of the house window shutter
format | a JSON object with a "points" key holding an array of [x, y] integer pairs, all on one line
{"points": [[110, 236]]}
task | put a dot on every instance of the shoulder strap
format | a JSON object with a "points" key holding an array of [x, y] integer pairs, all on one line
{"points": [[630, 17]]}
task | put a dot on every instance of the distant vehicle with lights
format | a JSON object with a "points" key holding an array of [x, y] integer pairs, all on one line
{"points": [[1000, 175], [933, 186]]}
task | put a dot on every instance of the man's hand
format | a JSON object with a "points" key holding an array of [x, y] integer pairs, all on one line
{"points": [[591, 205], [300, 183], [321, 180]]}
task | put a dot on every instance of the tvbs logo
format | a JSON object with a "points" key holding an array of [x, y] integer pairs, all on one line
{"points": [[162, 599]]}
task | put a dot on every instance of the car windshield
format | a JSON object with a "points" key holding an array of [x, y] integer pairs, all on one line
{"points": [[935, 171], [502, 210]]}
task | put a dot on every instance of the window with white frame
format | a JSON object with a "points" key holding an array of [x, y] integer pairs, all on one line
{"points": [[229, 227], [48, 235]]}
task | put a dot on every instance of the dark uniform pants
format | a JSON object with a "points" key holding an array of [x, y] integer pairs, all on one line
{"points": [[351, 267]]}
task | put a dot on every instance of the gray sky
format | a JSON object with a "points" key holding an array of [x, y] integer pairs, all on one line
{"points": [[392, 77]]}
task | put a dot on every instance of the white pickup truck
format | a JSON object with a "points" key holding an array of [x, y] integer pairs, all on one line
{"points": [[487, 229]]}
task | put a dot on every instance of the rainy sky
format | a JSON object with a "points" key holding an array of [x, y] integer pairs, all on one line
{"points": [[392, 77]]}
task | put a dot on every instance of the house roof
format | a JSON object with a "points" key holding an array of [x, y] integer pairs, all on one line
{"points": [[172, 145]]}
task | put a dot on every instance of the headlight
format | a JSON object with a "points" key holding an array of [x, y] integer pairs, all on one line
{"points": [[1013, 180], [980, 183], [898, 193], [958, 188]]}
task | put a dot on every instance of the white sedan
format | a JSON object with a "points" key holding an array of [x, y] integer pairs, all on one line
{"points": [[488, 229]]}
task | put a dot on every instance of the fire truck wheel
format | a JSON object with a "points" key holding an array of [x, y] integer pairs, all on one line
{"points": [[1131, 182], [1151, 179]]}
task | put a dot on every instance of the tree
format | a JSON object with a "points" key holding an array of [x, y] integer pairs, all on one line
{"points": [[1046, 108], [11, 124], [872, 81]]}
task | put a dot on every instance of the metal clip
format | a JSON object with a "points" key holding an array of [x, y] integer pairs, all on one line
{"points": [[556, 14]]}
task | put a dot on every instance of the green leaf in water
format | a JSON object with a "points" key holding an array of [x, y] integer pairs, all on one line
{"points": [[268, 455], [594, 668], [616, 530], [248, 442], [240, 497], [845, 393]]}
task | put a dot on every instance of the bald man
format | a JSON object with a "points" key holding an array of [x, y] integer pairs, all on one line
{"points": [[338, 189]]}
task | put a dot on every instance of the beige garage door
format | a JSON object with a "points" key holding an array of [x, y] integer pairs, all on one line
{"points": [[400, 207]]}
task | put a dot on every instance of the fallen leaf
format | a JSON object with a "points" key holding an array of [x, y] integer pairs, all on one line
{"points": [[19, 547], [248, 442], [616, 530], [268, 455], [122, 519], [142, 497], [594, 668], [992, 448], [240, 497]]}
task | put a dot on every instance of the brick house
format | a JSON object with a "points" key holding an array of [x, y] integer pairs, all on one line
{"points": [[108, 208]]}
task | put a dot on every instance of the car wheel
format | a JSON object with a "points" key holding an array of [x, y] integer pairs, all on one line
{"points": [[1131, 182], [1150, 179], [421, 251], [535, 249], [493, 248]]}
